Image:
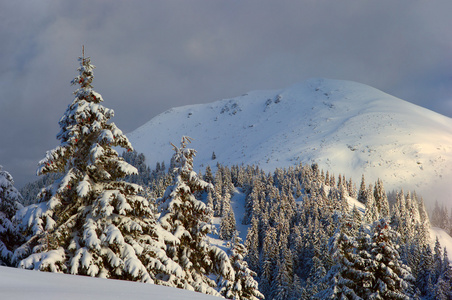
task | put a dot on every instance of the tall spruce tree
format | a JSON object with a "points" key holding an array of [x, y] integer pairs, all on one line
{"points": [[400, 218], [425, 277], [446, 277], [252, 244], [393, 279], [88, 221], [437, 260], [423, 228], [362, 193], [189, 219], [371, 214], [381, 200], [227, 225], [10, 199], [244, 286], [343, 279]]}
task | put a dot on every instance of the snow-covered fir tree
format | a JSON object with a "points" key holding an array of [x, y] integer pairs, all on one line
{"points": [[252, 244], [371, 214], [425, 277], [10, 199], [268, 260], [244, 285], [189, 219], [392, 278], [362, 193], [344, 280], [88, 221], [227, 225], [423, 226], [381, 199], [315, 282], [283, 284], [443, 288]]}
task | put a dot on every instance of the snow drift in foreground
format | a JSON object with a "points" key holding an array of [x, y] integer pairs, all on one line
{"points": [[19, 284], [345, 127]]}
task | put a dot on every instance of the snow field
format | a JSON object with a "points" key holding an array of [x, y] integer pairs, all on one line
{"points": [[345, 127], [20, 284]]}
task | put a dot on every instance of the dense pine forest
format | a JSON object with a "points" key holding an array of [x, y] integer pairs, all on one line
{"points": [[305, 239], [310, 234]]}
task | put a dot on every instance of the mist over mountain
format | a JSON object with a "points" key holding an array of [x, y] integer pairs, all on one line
{"points": [[346, 127]]}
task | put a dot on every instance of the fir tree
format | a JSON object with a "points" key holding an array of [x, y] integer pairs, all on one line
{"points": [[252, 244], [393, 279], [10, 200], [381, 200], [371, 214], [189, 220], [88, 221], [423, 228], [209, 200], [401, 219], [442, 290], [445, 287], [351, 188], [314, 282], [412, 208], [343, 278], [282, 284], [425, 276], [362, 193], [356, 218], [227, 225], [243, 286], [446, 272], [269, 256], [252, 201], [208, 177], [437, 260]]}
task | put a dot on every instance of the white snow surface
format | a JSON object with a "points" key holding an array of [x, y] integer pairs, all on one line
{"points": [[444, 239], [345, 127], [238, 206], [20, 284]]}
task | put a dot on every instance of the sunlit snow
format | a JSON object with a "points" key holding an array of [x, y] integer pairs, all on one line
{"points": [[345, 127], [19, 284]]}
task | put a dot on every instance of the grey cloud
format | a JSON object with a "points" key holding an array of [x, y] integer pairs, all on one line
{"points": [[153, 55]]}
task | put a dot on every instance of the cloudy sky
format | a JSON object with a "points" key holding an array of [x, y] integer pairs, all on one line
{"points": [[154, 55]]}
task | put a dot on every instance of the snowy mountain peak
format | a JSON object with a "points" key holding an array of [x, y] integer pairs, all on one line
{"points": [[345, 127]]}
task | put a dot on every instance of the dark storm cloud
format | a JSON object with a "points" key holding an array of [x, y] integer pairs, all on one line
{"points": [[153, 55]]}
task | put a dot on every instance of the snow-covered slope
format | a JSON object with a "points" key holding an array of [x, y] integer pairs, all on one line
{"points": [[345, 127], [444, 239], [19, 284]]}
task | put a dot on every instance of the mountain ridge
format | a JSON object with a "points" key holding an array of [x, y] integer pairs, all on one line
{"points": [[345, 127]]}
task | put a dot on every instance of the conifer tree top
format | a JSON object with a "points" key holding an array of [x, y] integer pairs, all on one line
{"points": [[86, 136]]}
